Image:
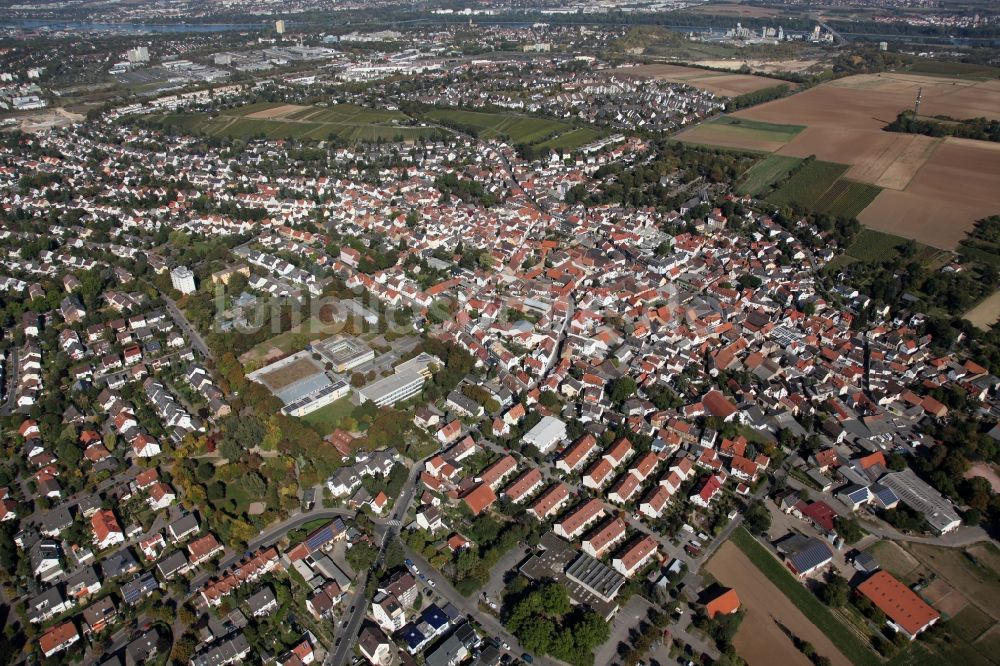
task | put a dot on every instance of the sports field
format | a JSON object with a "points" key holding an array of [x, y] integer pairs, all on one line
{"points": [[290, 121], [572, 139]]}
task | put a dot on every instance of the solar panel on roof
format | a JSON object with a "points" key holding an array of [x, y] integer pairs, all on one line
{"points": [[320, 537]]}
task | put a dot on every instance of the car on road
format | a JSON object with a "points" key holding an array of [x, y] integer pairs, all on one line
{"points": [[527, 658], [431, 582], [408, 562], [506, 645]]}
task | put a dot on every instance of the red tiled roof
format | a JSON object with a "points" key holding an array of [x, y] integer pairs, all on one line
{"points": [[898, 602], [480, 498]]}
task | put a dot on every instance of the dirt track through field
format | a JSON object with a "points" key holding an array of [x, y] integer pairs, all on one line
{"points": [[720, 83], [760, 640]]}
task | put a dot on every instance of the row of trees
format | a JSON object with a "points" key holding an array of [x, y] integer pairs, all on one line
{"points": [[982, 129]]}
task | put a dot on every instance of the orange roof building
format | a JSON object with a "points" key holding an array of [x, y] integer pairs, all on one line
{"points": [[577, 520], [58, 638], [906, 612], [480, 498], [725, 603]]}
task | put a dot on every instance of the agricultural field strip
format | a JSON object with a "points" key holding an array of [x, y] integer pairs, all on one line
{"points": [[843, 637]]}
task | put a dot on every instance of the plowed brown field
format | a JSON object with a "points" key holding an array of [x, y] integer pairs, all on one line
{"points": [[760, 640], [935, 189]]}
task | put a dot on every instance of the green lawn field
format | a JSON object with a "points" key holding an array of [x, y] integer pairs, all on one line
{"points": [[755, 129], [765, 173], [572, 139], [326, 419], [518, 129]]}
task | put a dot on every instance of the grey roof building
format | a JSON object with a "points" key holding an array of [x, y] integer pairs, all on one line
{"points": [[805, 554], [173, 564], [228, 651], [139, 588], [118, 564]]}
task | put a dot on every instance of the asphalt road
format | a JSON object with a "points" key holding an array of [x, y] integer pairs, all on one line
{"points": [[10, 367], [390, 530], [271, 536], [190, 332], [469, 606]]}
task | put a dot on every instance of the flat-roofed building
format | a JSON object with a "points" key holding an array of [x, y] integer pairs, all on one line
{"points": [[343, 352], [588, 582], [546, 434], [392, 389], [317, 399], [598, 578], [939, 513]]}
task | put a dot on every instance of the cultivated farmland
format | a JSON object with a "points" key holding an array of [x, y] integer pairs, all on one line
{"points": [[720, 83], [808, 184], [290, 121], [760, 640], [963, 585], [846, 198], [953, 189], [933, 189]]}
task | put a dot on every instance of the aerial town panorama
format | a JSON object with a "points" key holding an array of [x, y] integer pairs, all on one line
{"points": [[500, 333]]}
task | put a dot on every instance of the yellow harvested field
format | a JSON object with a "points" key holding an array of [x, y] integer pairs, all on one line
{"points": [[984, 316], [720, 83], [956, 186], [737, 10], [765, 66], [277, 112], [940, 96], [760, 640]]}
